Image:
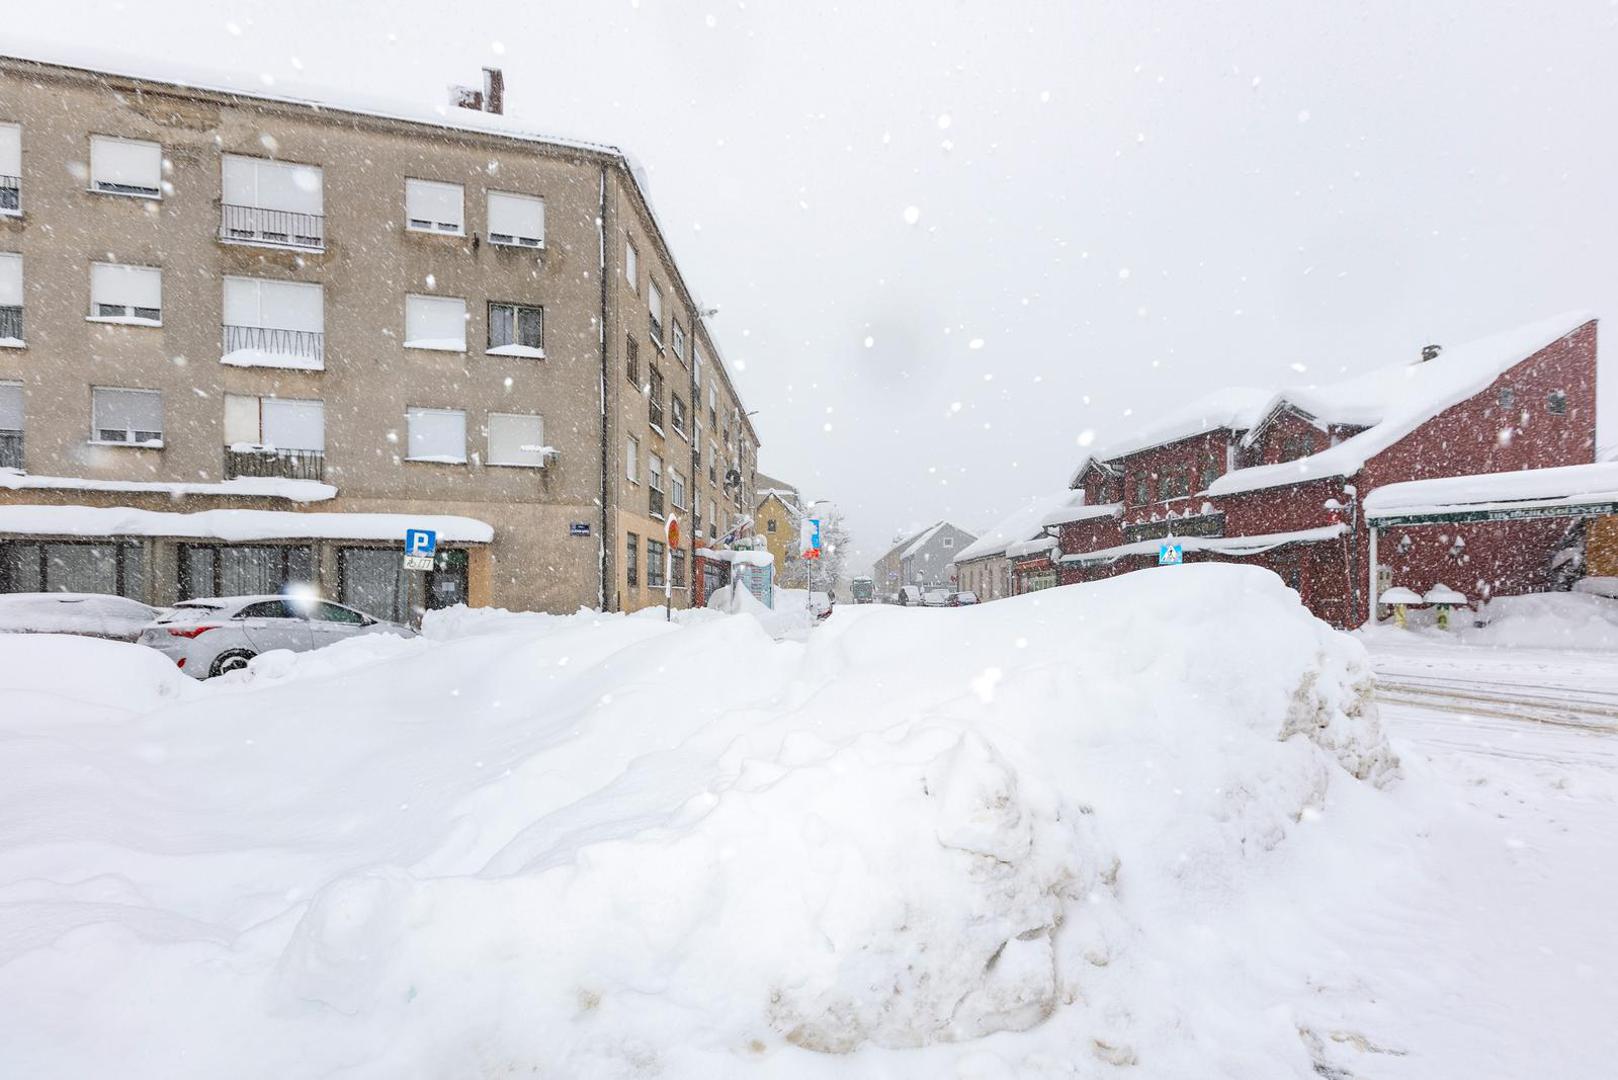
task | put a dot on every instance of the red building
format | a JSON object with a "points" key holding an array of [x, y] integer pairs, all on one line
{"points": [[1278, 479]]}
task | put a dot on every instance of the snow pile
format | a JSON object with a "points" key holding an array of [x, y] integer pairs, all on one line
{"points": [[91, 614], [1576, 620], [979, 842]]}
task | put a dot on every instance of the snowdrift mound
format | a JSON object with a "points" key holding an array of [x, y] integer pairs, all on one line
{"points": [[1570, 620], [618, 847]]}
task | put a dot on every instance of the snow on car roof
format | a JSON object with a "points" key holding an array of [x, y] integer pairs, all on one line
{"points": [[1393, 401], [1024, 523]]}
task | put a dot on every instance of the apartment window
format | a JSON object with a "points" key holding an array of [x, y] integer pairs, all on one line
{"points": [[515, 330], [769, 526], [128, 417], [11, 428], [632, 362], [677, 488], [713, 519], [654, 484], [436, 435], [431, 206], [126, 294], [516, 439], [269, 436], [947, 541], [631, 266], [696, 375], [435, 322], [516, 220], [1507, 397], [632, 459], [677, 413], [632, 559], [679, 342], [1143, 489], [10, 169], [677, 556], [655, 398], [126, 167], [274, 324], [655, 554], [273, 203], [10, 301], [1175, 483], [654, 303], [1556, 402], [713, 410], [1210, 471]]}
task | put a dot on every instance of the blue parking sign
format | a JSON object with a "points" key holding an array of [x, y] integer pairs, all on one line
{"points": [[421, 542]]}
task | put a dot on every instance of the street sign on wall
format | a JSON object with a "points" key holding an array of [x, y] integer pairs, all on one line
{"points": [[420, 545], [1170, 553]]}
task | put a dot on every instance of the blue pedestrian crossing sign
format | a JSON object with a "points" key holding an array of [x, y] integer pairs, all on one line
{"points": [[1170, 553], [421, 542]]}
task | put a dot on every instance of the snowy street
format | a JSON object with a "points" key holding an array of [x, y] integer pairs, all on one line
{"points": [[1030, 839]]}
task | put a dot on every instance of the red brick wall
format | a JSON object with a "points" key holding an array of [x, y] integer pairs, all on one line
{"points": [[1188, 454]]}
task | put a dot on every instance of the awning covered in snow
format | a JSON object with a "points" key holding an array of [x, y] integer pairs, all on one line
{"points": [[1566, 491], [255, 487], [234, 525], [1237, 546]]}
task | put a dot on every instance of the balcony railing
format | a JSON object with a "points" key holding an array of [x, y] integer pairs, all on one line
{"points": [[288, 464], [655, 501], [11, 322], [10, 449], [276, 228], [300, 344], [10, 194]]}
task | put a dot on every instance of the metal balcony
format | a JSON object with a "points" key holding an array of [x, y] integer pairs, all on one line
{"points": [[287, 464], [299, 344], [273, 228]]}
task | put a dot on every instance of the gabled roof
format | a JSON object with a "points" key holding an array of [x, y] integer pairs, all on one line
{"points": [[1024, 523], [1391, 402], [1235, 408], [921, 539], [786, 498]]}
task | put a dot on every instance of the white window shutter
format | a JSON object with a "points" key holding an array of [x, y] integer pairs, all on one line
{"points": [[10, 280], [242, 420], [10, 150], [432, 205], [435, 322], [292, 305], [294, 425], [127, 410], [437, 434], [126, 286], [242, 302], [240, 181], [654, 300], [516, 219], [516, 440], [128, 165], [10, 406]]}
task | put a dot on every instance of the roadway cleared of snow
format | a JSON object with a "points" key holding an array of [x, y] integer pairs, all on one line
{"points": [[1147, 828]]}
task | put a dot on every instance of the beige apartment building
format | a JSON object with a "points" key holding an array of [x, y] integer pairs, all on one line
{"points": [[247, 340]]}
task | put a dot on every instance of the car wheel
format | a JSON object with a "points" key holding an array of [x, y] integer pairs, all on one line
{"points": [[234, 660]]}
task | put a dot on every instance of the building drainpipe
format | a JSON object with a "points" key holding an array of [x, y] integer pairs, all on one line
{"points": [[1370, 611], [604, 548]]}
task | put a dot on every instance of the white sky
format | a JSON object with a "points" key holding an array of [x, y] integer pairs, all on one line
{"points": [[1120, 206]]}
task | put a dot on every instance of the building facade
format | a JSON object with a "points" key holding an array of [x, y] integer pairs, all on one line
{"points": [[926, 559], [1282, 484], [217, 301]]}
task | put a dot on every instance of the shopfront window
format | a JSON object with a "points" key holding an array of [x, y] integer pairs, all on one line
{"points": [[243, 570], [117, 569]]}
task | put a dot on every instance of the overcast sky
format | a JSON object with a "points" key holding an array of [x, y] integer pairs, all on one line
{"points": [[948, 239]]}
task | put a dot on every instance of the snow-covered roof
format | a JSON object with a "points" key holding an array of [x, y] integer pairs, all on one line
{"points": [[1236, 408], [785, 496], [264, 487], [1037, 546], [235, 525], [1238, 546], [1567, 485], [1082, 513], [1024, 523], [1393, 401], [920, 540]]}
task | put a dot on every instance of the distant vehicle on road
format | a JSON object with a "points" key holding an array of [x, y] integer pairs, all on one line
{"points": [[936, 598], [97, 615], [910, 596], [215, 635], [863, 589], [962, 599]]}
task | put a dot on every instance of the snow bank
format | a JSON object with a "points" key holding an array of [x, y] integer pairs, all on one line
{"points": [[1546, 620], [973, 842]]}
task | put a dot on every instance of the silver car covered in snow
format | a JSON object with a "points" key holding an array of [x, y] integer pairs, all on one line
{"points": [[213, 635]]}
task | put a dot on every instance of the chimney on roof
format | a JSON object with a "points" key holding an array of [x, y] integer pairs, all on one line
{"points": [[1429, 352], [490, 99]]}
